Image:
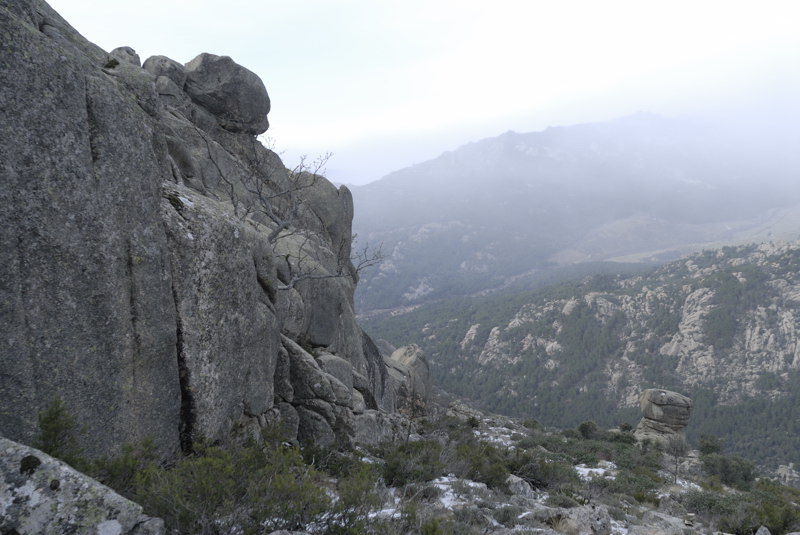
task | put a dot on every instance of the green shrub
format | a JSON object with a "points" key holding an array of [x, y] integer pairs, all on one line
{"points": [[120, 472], [479, 461], [772, 505], [709, 506], [356, 500], [542, 472], [215, 489], [58, 435], [194, 494], [624, 437], [710, 444], [508, 514], [531, 424], [285, 493], [639, 483], [437, 526], [411, 462], [590, 430], [562, 499], [731, 470]]}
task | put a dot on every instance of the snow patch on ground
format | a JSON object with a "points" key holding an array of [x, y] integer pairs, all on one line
{"points": [[604, 469], [457, 492], [682, 483], [499, 436], [617, 528]]}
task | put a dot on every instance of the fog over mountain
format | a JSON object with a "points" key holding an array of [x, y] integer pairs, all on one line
{"points": [[642, 188]]}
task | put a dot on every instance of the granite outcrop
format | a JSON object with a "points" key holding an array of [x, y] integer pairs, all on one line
{"points": [[665, 414], [161, 271]]}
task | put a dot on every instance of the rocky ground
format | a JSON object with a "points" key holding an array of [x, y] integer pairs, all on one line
{"points": [[460, 472]]}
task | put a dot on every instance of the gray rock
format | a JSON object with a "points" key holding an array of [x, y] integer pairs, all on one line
{"points": [[658, 523], [520, 487], [227, 335], [338, 368], [290, 420], [126, 54], [374, 427], [170, 93], [412, 360], [86, 306], [592, 518], [359, 405], [42, 495], [164, 66], [308, 379], [234, 95], [762, 530], [314, 429], [664, 414], [385, 347], [284, 391]]}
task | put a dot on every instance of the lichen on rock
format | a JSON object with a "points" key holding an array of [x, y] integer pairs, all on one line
{"points": [[40, 494]]}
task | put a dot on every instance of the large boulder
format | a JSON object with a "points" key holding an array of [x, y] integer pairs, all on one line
{"points": [[411, 362], [234, 95], [42, 495], [664, 414]]}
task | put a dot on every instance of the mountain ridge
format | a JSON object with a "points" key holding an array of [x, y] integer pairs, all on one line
{"points": [[642, 187]]}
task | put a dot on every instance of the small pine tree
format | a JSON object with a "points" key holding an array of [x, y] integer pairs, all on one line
{"points": [[58, 434], [676, 448]]}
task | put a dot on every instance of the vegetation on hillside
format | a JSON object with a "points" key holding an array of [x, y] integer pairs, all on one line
{"points": [[410, 487], [497, 349]]}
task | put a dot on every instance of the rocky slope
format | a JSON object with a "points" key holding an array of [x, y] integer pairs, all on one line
{"points": [[162, 272], [466, 472], [638, 189], [720, 326]]}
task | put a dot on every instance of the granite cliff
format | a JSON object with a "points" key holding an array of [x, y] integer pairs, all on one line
{"points": [[161, 271]]}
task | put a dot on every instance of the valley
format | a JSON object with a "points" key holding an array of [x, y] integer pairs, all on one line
{"points": [[720, 326]]}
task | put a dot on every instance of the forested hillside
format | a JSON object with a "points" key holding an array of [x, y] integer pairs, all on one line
{"points": [[720, 326]]}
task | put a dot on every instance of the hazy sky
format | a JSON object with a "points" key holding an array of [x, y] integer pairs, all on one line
{"points": [[384, 84]]}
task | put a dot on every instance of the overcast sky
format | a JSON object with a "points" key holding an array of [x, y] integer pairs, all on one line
{"points": [[384, 84]]}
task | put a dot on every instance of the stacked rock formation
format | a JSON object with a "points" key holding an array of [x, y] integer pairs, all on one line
{"points": [[665, 414], [161, 272]]}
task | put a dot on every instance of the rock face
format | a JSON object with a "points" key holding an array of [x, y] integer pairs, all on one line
{"points": [[161, 271], [415, 375], [233, 94], [664, 414], [40, 494]]}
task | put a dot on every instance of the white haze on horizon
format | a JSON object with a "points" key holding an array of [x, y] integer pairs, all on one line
{"points": [[384, 85]]}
